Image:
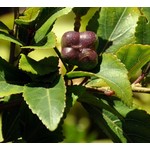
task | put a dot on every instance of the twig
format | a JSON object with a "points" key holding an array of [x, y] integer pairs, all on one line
{"points": [[104, 90], [139, 89], [14, 33], [59, 55], [143, 75]]}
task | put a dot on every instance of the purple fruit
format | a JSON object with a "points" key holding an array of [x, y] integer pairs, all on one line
{"points": [[79, 48], [70, 55], [88, 59], [70, 38], [88, 39]]}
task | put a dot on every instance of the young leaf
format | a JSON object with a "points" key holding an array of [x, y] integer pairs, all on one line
{"points": [[47, 103], [142, 33], [29, 16], [113, 72], [134, 56], [7, 37], [44, 29], [117, 26], [42, 67], [49, 41]]}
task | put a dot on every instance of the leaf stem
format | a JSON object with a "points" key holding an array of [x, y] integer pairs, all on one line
{"points": [[14, 33]]}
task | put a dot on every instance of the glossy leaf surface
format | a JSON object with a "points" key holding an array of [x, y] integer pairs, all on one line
{"points": [[117, 26], [47, 103], [134, 56]]}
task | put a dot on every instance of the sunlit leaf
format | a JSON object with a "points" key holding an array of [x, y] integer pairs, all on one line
{"points": [[44, 29], [134, 56], [42, 67], [47, 103], [114, 73], [29, 16], [117, 26], [7, 37], [78, 74]]}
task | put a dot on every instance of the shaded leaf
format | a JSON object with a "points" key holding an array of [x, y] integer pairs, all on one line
{"points": [[134, 56], [117, 25], [49, 41], [119, 122], [34, 131], [47, 103], [96, 115], [3, 26], [7, 37], [42, 67], [44, 29], [11, 129], [29, 16], [11, 79], [142, 33]]}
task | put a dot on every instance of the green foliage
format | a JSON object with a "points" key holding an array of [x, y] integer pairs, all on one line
{"points": [[142, 30], [134, 56], [44, 102], [29, 16], [36, 96], [117, 26], [10, 38]]}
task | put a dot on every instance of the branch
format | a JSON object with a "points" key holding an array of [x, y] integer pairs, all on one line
{"points": [[14, 33], [104, 90]]}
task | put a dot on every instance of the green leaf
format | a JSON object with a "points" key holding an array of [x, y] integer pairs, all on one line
{"points": [[11, 79], [98, 117], [117, 26], [134, 56], [42, 67], [49, 41], [47, 103], [3, 26], [8, 89], [44, 29], [142, 30], [29, 16], [34, 131], [113, 72], [78, 74], [119, 122], [7, 37]]}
